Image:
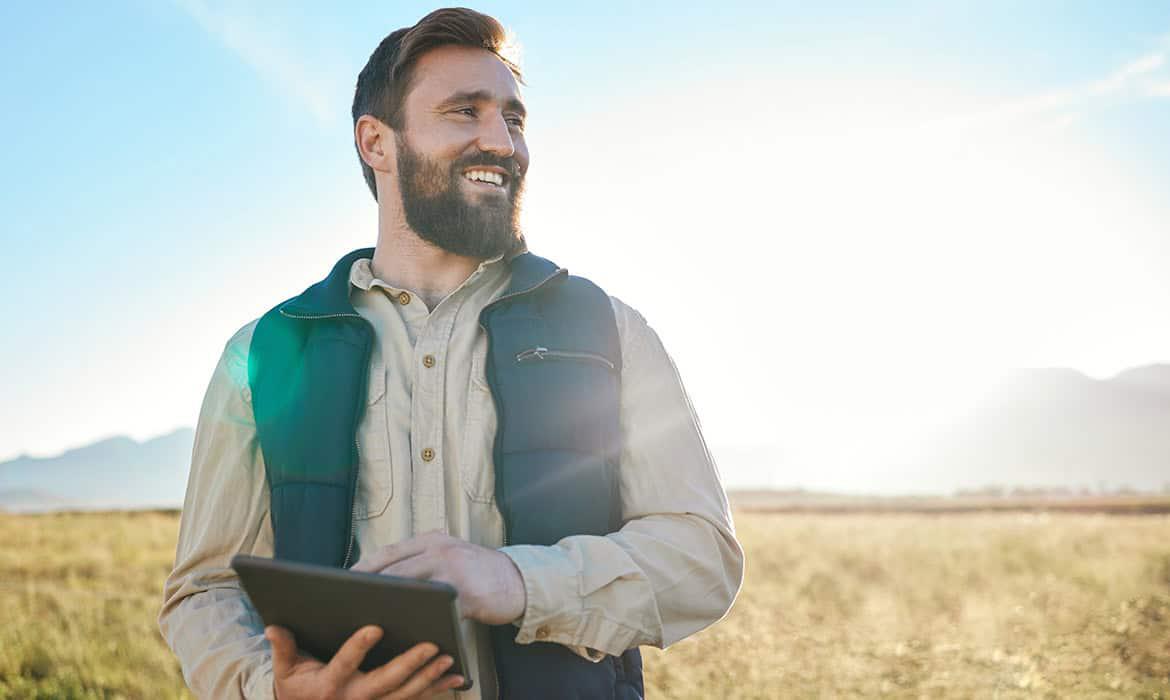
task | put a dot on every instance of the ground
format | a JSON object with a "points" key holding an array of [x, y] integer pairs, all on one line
{"points": [[902, 605]]}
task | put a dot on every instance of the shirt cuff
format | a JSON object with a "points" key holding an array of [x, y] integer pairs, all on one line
{"points": [[555, 610]]}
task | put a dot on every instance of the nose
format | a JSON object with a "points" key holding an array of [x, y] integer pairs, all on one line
{"points": [[495, 138]]}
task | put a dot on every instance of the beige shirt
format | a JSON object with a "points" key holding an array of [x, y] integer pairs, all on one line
{"points": [[673, 568]]}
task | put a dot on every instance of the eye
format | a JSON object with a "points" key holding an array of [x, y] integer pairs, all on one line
{"points": [[469, 111], [516, 121]]}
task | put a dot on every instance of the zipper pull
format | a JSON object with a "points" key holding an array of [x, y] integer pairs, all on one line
{"points": [[536, 353]]}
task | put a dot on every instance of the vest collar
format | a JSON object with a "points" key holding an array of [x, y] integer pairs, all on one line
{"points": [[329, 298]]}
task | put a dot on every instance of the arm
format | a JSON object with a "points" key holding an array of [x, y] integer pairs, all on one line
{"points": [[675, 566], [206, 619]]}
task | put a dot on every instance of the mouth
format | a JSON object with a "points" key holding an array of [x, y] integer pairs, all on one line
{"points": [[487, 178]]}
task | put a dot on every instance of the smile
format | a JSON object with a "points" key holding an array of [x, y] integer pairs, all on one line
{"points": [[493, 178]]}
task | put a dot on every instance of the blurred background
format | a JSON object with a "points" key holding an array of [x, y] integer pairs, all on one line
{"points": [[863, 232], [897, 250]]}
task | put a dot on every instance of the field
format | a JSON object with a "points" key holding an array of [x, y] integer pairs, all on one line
{"points": [[905, 605]]}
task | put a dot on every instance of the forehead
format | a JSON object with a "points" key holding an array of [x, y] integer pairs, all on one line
{"points": [[446, 70]]}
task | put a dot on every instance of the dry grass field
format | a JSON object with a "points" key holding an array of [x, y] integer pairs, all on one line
{"points": [[970, 605]]}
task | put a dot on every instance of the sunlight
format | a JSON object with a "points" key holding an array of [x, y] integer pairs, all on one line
{"points": [[907, 261]]}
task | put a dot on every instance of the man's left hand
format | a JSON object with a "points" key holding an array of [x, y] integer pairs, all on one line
{"points": [[489, 584]]}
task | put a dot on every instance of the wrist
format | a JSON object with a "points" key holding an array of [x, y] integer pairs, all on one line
{"points": [[515, 590], [518, 593]]}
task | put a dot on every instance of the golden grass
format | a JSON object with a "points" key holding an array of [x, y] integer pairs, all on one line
{"points": [[79, 593], [906, 606], [956, 606]]}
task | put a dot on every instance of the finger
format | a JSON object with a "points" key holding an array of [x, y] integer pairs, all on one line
{"points": [[347, 659], [400, 550], [424, 679], [445, 684], [392, 674], [284, 649], [422, 566]]}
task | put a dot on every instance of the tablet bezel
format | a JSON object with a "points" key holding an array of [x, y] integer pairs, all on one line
{"points": [[343, 601]]}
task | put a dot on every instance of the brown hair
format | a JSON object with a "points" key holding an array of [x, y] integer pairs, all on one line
{"points": [[384, 82]]}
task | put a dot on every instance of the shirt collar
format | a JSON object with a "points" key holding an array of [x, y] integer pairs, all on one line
{"points": [[361, 273]]}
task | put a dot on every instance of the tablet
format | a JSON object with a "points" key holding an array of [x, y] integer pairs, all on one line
{"points": [[323, 606]]}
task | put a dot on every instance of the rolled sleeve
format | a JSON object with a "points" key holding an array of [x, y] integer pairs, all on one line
{"points": [[675, 566], [206, 618], [558, 606]]}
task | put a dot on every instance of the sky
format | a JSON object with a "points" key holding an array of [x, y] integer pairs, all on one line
{"points": [[834, 214]]}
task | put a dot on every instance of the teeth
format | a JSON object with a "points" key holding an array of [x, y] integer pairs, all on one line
{"points": [[484, 176]]}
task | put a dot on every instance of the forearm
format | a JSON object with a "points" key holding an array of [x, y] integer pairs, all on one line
{"points": [[658, 580], [219, 641], [206, 618]]}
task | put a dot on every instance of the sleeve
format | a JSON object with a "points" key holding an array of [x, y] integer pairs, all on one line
{"points": [[675, 566], [206, 618]]}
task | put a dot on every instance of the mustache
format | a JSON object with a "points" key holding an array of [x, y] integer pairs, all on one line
{"points": [[487, 159]]}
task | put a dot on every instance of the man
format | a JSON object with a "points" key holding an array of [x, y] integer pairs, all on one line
{"points": [[448, 406]]}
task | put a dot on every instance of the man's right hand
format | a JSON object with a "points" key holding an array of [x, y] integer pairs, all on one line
{"points": [[407, 676]]}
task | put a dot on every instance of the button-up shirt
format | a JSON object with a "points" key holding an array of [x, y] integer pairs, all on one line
{"points": [[425, 463]]}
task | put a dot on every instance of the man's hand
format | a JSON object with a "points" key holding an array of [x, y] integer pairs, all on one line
{"points": [[489, 584], [296, 675]]}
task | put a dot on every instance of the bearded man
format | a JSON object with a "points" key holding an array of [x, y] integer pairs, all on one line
{"points": [[448, 406]]}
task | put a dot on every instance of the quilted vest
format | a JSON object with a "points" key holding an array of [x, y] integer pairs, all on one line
{"points": [[554, 368]]}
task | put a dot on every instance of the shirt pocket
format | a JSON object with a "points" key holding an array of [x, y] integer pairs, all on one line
{"points": [[375, 466], [477, 469]]}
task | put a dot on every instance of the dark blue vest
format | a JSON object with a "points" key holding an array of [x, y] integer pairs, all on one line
{"points": [[554, 368]]}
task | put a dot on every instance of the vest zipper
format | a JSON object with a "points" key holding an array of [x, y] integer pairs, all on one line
{"points": [[560, 271], [353, 507], [495, 673], [356, 445], [543, 353]]}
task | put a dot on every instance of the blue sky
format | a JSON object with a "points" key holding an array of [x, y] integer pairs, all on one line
{"points": [[796, 195]]}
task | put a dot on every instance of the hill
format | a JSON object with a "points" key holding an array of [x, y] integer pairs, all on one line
{"points": [[117, 473], [1057, 428]]}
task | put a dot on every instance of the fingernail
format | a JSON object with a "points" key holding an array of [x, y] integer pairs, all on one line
{"points": [[445, 662]]}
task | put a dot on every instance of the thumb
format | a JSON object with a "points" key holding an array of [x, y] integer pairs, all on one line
{"points": [[284, 649]]}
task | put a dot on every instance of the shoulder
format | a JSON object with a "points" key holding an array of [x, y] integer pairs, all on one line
{"points": [[640, 343], [238, 344], [233, 361], [629, 320]]}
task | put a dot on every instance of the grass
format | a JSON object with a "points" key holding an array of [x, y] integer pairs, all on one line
{"points": [[894, 605]]}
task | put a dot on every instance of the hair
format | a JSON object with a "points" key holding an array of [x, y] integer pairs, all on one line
{"points": [[384, 82]]}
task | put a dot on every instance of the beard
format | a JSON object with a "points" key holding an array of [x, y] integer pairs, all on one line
{"points": [[446, 217]]}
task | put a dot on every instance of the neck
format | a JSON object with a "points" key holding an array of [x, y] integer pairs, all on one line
{"points": [[402, 259]]}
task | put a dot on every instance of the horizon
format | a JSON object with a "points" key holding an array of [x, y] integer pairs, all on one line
{"points": [[844, 221]]}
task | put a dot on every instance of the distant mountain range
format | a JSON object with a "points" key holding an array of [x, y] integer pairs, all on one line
{"points": [[1060, 428], [114, 473], [1047, 428]]}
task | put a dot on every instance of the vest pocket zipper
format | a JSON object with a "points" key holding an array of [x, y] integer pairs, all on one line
{"points": [[542, 353]]}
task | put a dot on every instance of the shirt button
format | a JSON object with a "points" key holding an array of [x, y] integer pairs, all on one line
{"points": [[542, 632], [403, 298], [428, 361], [428, 454]]}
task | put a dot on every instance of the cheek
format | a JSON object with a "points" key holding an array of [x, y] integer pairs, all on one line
{"points": [[521, 154]]}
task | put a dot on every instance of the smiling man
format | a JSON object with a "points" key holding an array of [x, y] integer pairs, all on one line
{"points": [[449, 406]]}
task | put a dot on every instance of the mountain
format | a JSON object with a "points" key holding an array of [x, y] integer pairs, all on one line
{"points": [[114, 473], [1035, 428], [1059, 428]]}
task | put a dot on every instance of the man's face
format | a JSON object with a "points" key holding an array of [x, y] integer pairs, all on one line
{"points": [[461, 154]]}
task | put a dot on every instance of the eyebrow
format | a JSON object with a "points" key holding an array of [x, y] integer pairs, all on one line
{"points": [[510, 104]]}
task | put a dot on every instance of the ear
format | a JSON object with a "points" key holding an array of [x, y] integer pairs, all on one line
{"points": [[375, 143]]}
